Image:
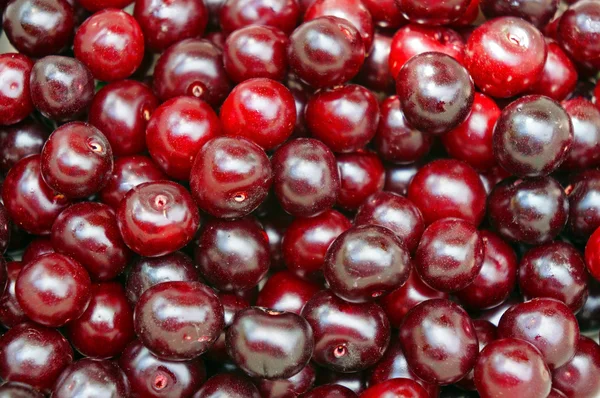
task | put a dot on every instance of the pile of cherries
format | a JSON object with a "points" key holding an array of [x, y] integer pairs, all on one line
{"points": [[300, 198]]}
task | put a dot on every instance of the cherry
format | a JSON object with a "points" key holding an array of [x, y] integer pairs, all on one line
{"points": [[577, 378], [375, 73], [157, 218], [559, 77], [244, 55], [232, 255], [296, 385], [588, 316], [18, 390], [101, 40], [432, 12], [448, 188], [512, 367], [281, 14], [152, 377], [398, 387], [261, 110], [399, 177], [331, 65], [486, 333], [15, 99], [361, 175], [177, 130], [275, 224], [121, 110], [97, 5], [228, 385], [285, 291], [39, 27], [37, 247], [532, 211], [232, 304], [11, 313], [5, 229], [19, 141], [330, 391], [348, 337], [585, 118], [505, 56], [385, 13], [592, 254], [354, 381], [92, 378], [539, 13], [578, 35], [469, 17]]}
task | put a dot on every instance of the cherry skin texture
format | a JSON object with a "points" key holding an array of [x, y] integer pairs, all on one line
{"points": [[231, 385], [353, 381], [178, 320], [285, 291], [261, 110], [33, 355], [400, 387], [486, 333], [306, 241], [11, 313], [344, 118], [588, 316], [18, 390], [330, 391], [100, 43], [157, 218], [326, 66], [5, 229], [559, 77], [88, 377], [439, 191], [37, 247], [361, 175], [578, 34], [76, 161], [152, 377], [435, 92], [505, 56], [15, 99], [281, 14], [539, 13], [19, 141], [296, 385], [399, 177], [585, 118], [232, 304], [439, 341], [97, 5], [306, 179], [121, 110], [164, 23], [375, 72], [385, 13], [577, 378], [592, 254], [513, 368], [349, 337], [177, 130], [358, 278], [546, 323], [432, 12], [532, 211]]}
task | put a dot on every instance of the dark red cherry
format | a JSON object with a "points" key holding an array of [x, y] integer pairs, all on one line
{"points": [[354, 381], [152, 377], [18, 390], [93, 165], [348, 336], [34, 355], [232, 304], [448, 188], [486, 333], [19, 141], [585, 118], [592, 254], [375, 73], [532, 211], [396, 387], [157, 218], [233, 385], [432, 12], [177, 130], [100, 43], [121, 110], [281, 14], [546, 323], [385, 13], [88, 378], [330, 65], [559, 77], [538, 13], [306, 179], [15, 98], [578, 33], [285, 291], [399, 177], [513, 368], [361, 175], [294, 386], [275, 224], [178, 320], [37, 247], [11, 313], [505, 56], [578, 377], [97, 5], [588, 316], [5, 229], [330, 391]]}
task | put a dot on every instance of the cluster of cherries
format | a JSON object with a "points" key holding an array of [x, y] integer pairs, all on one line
{"points": [[300, 198]]}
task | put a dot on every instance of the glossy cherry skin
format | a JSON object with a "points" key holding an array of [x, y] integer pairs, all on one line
{"points": [[588, 316], [231, 385], [577, 378], [306, 179], [106, 326], [326, 66], [88, 233], [90, 171], [39, 27], [192, 67], [232, 304], [18, 390], [559, 77], [532, 211], [432, 12], [375, 73], [396, 387], [244, 55], [15, 99], [585, 118], [128, 173], [365, 263], [177, 130], [232, 255], [439, 189], [486, 333], [354, 381], [157, 218], [164, 23], [261, 110], [546, 323], [361, 175], [5, 229], [578, 34], [592, 254], [505, 56], [88, 377], [439, 341], [121, 110], [152, 377], [100, 43], [385, 13], [178, 320], [330, 391], [11, 313], [285, 291], [344, 118], [512, 367], [348, 337], [399, 177], [19, 141], [296, 385], [37, 247], [497, 277], [538, 13], [281, 14]]}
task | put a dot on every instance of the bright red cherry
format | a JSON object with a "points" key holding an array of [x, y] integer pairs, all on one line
{"points": [[92, 378], [578, 33], [11, 313], [559, 77], [15, 99], [285, 291], [281, 14], [578, 377], [432, 12]]}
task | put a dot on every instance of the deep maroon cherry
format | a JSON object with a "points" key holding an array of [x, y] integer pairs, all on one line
{"points": [[361, 175], [88, 378], [121, 110], [33, 355], [532, 211], [232, 255], [354, 381], [157, 218], [285, 291], [396, 387], [231, 385], [232, 304], [111, 44], [538, 13], [11, 313], [152, 377], [330, 391], [585, 118], [281, 14], [578, 33], [326, 65], [5, 229], [486, 333], [37, 247], [385, 13], [375, 73], [19, 141], [97, 5], [15, 99], [577, 378], [348, 337], [18, 390], [176, 132], [432, 12], [448, 188], [399, 177], [296, 385], [275, 224], [587, 318], [559, 77]]}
